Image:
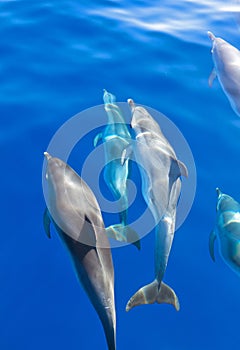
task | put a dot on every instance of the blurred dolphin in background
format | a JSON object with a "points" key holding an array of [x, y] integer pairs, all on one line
{"points": [[226, 59], [161, 185], [116, 137], [227, 231], [76, 215]]}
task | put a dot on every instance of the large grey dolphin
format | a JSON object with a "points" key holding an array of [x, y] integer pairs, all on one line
{"points": [[227, 231], [226, 60], [75, 213], [161, 185], [116, 137]]}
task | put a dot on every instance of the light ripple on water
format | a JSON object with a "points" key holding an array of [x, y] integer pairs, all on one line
{"points": [[187, 20]]}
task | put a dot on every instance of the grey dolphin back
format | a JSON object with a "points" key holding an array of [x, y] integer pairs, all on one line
{"points": [[77, 218]]}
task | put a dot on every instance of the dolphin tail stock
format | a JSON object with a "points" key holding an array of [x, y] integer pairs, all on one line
{"points": [[123, 233], [110, 333], [151, 294]]}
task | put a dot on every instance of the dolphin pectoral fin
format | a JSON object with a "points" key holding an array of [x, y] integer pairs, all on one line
{"points": [[126, 154], [97, 138], [124, 234], [212, 238], [183, 168], [46, 222], [212, 76], [150, 294], [132, 237]]}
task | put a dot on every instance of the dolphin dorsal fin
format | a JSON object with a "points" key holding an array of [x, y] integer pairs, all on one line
{"points": [[46, 222]]}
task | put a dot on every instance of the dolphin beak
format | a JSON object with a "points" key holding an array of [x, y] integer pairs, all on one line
{"points": [[211, 36], [131, 104], [219, 192], [47, 155]]}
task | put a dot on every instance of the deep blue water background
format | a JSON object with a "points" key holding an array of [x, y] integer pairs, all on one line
{"points": [[56, 57]]}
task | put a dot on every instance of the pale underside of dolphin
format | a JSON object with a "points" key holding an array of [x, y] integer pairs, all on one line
{"points": [[116, 137], [226, 59], [75, 213], [161, 185], [227, 231]]}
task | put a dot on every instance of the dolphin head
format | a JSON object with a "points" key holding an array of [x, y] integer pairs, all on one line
{"points": [[55, 168], [221, 51], [142, 121], [217, 42], [226, 203]]}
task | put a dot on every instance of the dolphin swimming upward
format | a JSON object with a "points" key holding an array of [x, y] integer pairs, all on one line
{"points": [[75, 213], [227, 230], [161, 185], [226, 60], [116, 137]]}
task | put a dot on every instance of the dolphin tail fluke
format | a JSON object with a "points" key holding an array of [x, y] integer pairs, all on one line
{"points": [[150, 294], [123, 234]]}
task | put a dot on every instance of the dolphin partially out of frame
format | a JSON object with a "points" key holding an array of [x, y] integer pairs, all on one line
{"points": [[75, 213], [226, 59], [161, 185], [227, 231], [116, 137]]}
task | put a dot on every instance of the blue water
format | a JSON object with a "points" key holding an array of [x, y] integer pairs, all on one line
{"points": [[56, 57]]}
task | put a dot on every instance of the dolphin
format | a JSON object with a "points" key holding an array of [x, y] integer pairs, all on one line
{"points": [[227, 231], [226, 59], [116, 137], [161, 185], [75, 213]]}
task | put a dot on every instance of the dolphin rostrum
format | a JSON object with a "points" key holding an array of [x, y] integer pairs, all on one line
{"points": [[75, 213], [161, 185], [227, 231], [116, 137], [226, 59]]}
